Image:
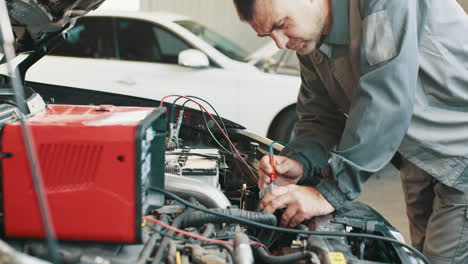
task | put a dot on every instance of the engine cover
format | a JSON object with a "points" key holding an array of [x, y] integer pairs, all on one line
{"points": [[97, 163]]}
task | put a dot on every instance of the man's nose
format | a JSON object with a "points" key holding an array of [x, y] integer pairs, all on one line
{"points": [[280, 39]]}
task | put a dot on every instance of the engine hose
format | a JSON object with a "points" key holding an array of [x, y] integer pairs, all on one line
{"points": [[242, 250], [149, 245], [199, 218], [263, 255], [209, 230], [165, 241]]}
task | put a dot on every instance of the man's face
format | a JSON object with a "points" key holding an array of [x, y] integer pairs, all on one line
{"points": [[293, 24]]}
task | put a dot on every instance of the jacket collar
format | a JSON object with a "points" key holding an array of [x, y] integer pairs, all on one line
{"points": [[339, 31]]}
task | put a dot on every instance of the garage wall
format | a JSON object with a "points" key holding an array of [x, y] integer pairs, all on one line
{"points": [[464, 3], [219, 15]]}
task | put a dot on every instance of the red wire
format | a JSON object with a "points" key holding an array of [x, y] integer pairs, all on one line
{"points": [[185, 233], [217, 125], [198, 237], [240, 157]]}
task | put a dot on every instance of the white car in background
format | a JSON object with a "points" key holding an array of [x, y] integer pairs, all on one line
{"points": [[150, 55]]}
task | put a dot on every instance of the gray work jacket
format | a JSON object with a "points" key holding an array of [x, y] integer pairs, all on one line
{"points": [[392, 75]]}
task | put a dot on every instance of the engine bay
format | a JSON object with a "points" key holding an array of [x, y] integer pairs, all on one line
{"points": [[211, 214]]}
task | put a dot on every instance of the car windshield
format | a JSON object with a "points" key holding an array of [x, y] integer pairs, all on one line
{"points": [[218, 42]]}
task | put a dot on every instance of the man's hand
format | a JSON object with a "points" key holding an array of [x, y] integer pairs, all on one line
{"points": [[289, 171], [301, 203]]}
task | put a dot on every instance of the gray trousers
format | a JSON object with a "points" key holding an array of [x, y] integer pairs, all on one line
{"points": [[438, 216]]}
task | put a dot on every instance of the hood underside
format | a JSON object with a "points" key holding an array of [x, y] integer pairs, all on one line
{"points": [[33, 20]]}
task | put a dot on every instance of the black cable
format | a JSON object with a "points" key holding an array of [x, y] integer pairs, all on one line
{"points": [[172, 113], [212, 135], [261, 253], [198, 98], [165, 240], [212, 107], [236, 158], [204, 117], [226, 247], [198, 218], [150, 243], [290, 230], [231, 151], [171, 116], [231, 236], [203, 243], [208, 156], [224, 149]]}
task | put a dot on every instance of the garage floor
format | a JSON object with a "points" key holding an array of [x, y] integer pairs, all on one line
{"points": [[384, 193]]}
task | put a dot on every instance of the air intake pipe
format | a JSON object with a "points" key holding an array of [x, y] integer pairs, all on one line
{"points": [[187, 187]]}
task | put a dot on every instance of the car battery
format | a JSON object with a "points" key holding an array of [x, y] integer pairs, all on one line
{"points": [[98, 165], [198, 163]]}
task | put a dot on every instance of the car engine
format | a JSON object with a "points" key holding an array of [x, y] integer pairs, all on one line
{"points": [[202, 169]]}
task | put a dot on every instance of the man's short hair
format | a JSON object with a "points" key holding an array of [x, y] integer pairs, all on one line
{"points": [[245, 9]]}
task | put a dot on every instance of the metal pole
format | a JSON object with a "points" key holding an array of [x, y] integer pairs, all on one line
{"points": [[7, 43]]}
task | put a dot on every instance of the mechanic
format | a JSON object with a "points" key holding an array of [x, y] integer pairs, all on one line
{"points": [[378, 77]]}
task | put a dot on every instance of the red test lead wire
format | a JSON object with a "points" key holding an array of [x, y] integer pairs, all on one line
{"points": [[272, 175]]}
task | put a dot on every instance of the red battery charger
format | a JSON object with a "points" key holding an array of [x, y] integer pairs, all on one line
{"points": [[97, 163]]}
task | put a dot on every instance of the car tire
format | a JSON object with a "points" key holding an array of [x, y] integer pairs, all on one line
{"points": [[282, 126]]}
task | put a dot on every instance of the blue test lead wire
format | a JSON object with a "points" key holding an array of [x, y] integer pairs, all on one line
{"points": [[272, 175]]}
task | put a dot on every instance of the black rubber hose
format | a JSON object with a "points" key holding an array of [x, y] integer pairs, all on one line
{"points": [[165, 241], [293, 231], [263, 255], [199, 218], [148, 248]]}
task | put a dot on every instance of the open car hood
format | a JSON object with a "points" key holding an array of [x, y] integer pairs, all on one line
{"points": [[33, 20]]}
